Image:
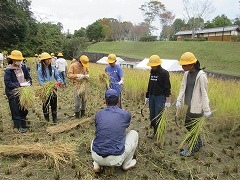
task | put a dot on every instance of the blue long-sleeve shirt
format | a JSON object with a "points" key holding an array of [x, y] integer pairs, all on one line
{"points": [[43, 79], [115, 73], [111, 124]]}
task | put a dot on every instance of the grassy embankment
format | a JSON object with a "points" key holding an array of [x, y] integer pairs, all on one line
{"points": [[220, 57]]}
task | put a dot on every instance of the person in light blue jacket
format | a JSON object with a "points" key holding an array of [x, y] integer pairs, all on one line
{"points": [[47, 72]]}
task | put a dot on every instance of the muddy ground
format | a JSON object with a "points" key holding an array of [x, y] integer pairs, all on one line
{"points": [[218, 159]]}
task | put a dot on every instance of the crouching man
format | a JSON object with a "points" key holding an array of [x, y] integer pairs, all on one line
{"points": [[112, 146]]}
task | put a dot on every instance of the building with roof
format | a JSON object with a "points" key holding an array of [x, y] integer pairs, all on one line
{"points": [[225, 33]]}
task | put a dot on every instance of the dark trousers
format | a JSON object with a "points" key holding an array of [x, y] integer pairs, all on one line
{"points": [[190, 117], [156, 106], [52, 101], [18, 114]]}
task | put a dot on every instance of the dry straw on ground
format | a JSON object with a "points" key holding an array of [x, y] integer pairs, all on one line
{"points": [[64, 127], [59, 153]]}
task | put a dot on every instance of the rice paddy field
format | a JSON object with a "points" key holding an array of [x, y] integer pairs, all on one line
{"points": [[62, 151]]}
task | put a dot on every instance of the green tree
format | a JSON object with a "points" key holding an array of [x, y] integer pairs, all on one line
{"points": [[222, 20], [80, 33], [74, 46], [237, 21], [152, 10], [95, 31]]}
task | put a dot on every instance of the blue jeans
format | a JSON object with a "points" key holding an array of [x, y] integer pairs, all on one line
{"points": [[62, 76], [156, 106]]}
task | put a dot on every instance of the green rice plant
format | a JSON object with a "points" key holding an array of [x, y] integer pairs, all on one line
{"points": [[46, 91], [26, 96], [191, 137], [161, 129]]}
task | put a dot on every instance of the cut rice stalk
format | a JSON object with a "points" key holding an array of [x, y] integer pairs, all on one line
{"points": [[82, 89], [161, 129], [192, 136], [105, 79], [57, 152], [64, 127], [26, 96], [46, 91]]}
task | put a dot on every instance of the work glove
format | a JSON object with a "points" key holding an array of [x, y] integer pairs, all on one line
{"points": [[207, 114], [58, 84], [178, 104], [167, 104], [25, 84], [120, 82], [87, 76], [146, 100], [80, 76]]}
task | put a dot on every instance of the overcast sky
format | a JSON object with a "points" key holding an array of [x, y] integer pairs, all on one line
{"points": [[74, 14]]}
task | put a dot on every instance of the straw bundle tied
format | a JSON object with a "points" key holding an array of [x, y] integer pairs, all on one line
{"points": [[192, 136], [26, 96], [45, 91], [63, 127], [59, 153], [161, 129], [105, 79]]}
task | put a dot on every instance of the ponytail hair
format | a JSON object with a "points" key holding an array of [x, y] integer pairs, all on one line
{"points": [[197, 66]]}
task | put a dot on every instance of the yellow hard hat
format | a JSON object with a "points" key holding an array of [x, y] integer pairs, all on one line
{"points": [[84, 60], [36, 55], [154, 61], [187, 58], [52, 54], [111, 58], [60, 54], [44, 56], [16, 55]]}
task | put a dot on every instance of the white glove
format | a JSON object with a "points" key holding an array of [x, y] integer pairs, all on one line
{"points": [[87, 76], [167, 104], [25, 84], [178, 104], [120, 82], [146, 100], [207, 114], [80, 76]]}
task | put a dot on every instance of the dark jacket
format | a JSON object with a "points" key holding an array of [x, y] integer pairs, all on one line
{"points": [[11, 81], [159, 83]]}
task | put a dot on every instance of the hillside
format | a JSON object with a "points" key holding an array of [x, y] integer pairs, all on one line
{"points": [[220, 57]]}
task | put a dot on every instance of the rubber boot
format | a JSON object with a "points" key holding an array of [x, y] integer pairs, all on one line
{"points": [[77, 115], [151, 136], [54, 116], [18, 125], [46, 116], [82, 113], [24, 123]]}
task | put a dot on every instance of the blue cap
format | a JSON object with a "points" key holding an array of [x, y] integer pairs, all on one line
{"points": [[111, 92]]}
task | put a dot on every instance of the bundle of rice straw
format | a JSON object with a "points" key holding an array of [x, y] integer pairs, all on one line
{"points": [[192, 136], [45, 91], [82, 88], [59, 153], [105, 79], [161, 129], [59, 128], [26, 96]]}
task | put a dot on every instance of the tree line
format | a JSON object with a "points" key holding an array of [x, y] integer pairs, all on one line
{"points": [[20, 30]]}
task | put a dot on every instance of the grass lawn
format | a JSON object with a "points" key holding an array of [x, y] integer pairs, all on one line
{"points": [[221, 57]]}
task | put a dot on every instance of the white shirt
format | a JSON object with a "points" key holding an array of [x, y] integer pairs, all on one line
{"points": [[61, 64]]}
